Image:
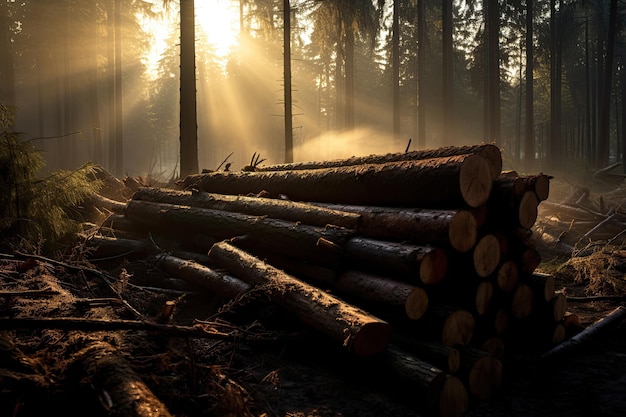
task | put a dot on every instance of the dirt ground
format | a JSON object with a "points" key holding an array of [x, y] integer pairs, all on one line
{"points": [[273, 367]]}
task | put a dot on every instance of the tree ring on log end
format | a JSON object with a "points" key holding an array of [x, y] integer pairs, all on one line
{"points": [[485, 377], [372, 339], [458, 328], [494, 157], [475, 180], [453, 400], [484, 295], [463, 231], [434, 266], [486, 255], [522, 303], [528, 210], [416, 304]]}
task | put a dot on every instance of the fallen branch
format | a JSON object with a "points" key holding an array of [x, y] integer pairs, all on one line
{"points": [[198, 331], [614, 317]]}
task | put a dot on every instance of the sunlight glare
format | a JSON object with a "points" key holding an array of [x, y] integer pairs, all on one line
{"points": [[218, 20]]}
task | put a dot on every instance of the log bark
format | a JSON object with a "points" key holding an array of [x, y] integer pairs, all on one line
{"points": [[256, 206], [455, 228], [447, 227], [444, 357], [308, 242], [218, 283], [381, 293], [112, 376], [450, 182], [490, 152], [415, 263], [438, 393], [357, 330]]}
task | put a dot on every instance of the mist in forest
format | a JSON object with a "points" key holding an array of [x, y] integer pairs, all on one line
{"points": [[99, 81]]}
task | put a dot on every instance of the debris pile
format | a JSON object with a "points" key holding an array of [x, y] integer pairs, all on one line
{"points": [[420, 264]]}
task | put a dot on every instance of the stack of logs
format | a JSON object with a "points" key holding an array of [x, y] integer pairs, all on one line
{"points": [[420, 263]]}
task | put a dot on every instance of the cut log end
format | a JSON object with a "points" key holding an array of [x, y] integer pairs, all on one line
{"points": [[559, 306], [434, 266], [528, 210], [453, 400], [484, 295], [522, 303], [475, 180], [485, 377], [372, 339], [458, 328], [542, 187], [508, 275], [486, 255], [493, 155], [416, 304], [463, 231]]}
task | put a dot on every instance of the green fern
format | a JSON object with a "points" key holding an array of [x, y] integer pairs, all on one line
{"points": [[37, 208]]}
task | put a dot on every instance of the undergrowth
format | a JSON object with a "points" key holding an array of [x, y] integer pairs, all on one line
{"points": [[36, 207]]}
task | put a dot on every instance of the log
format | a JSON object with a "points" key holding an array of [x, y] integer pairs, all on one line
{"points": [[269, 234], [508, 275], [455, 228], [416, 263], [447, 324], [486, 255], [199, 275], [508, 210], [378, 292], [489, 151], [357, 330], [438, 393], [368, 288], [481, 371], [523, 301], [440, 355], [114, 379], [542, 285], [256, 206], [518, 184], [450, 182]]}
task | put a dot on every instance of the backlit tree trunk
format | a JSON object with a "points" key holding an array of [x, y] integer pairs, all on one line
{"points": [[188, 111]]}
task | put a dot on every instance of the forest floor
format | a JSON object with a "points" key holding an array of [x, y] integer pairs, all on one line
{"points": [[273, 367]]}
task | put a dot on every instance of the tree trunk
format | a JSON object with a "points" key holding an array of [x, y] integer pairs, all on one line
{"points": [[529, 142], [490, 152], [413, 263], [358, 331], [605, 98], [448, 182], [448, 70], [456, 228], [119, 108], [113, 378], [379, 292], [293, 239], [421, 74], [188, 111], [275, 208], [217, 283], [287, 81]]}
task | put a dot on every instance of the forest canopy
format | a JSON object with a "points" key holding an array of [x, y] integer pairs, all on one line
{"points": [[100, 81]]}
